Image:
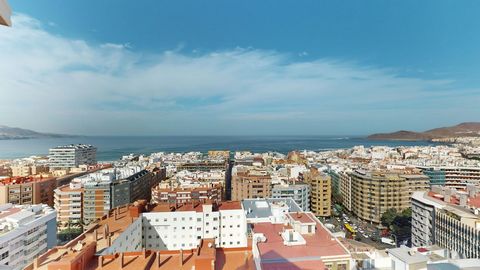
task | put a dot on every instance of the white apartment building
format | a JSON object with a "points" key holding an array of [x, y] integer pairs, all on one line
{"points": [[72, 156], [449, 219], [300, 193], [423, 219], [25, 233], [184, 228]]}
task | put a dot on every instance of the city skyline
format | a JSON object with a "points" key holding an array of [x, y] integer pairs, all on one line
{"points": [[237, 69]]}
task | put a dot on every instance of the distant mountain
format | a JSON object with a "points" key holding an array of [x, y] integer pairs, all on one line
{"points": [[14, 133], [469, 129]]}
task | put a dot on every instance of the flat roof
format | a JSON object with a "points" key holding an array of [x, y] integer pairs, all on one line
{"points": [[319, 246], [261, 208], [407, 255]]}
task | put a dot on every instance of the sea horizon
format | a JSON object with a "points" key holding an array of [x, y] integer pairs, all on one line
{"points": [[111, 148]]}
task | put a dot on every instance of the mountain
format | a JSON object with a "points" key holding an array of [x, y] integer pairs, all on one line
{"points": [[468, 129], [14, 133]]}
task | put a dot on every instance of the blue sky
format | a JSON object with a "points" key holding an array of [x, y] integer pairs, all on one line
{"points": [[240, 67]]}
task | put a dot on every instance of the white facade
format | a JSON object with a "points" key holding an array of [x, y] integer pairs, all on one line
{"points": [[25, 233], [72, 156], [184, 229], [423, 219], [299, 193]]}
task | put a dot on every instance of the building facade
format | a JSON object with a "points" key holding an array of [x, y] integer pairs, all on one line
{"points": [[208, 192], [300, 193], [69, 205], [188, 224], [452, 176], [376, 191], [250, 182], [321, 192], [448, 218], [72, 156], [27, 190], [25, 233]]}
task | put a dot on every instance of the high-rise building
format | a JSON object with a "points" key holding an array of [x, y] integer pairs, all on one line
{"points": [[27, 190], [299, 192], [376, 191], [72, 156], [69, 205], [25, 233], [342, 186], [250, 182], [321, 192], [448, 218], [5, 13], [103, 190], [453, 176]]}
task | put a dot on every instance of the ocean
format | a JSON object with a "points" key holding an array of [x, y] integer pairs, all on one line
{"points": [[114, 147]]}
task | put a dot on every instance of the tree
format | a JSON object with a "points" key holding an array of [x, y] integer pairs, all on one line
{"points": [[407, 212], [388, 217]]}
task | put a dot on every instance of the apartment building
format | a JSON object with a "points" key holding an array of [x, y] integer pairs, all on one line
{"points": [[423, 219], [103, 190], [25, 233], [342, 186], [376, 191], [448, 218], [24, 170], [27, 190], [184, 226], [284, 237], [453, 176], [321, 192], [204, 166], [299, 192], [72, 156], [207, 192], [148, 236], [69, 205], [250, 182], [5, 13]]}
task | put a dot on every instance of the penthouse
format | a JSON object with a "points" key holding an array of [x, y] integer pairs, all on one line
{"points": [[144, 236], [183, 195], [292, 240], [27, 190]]}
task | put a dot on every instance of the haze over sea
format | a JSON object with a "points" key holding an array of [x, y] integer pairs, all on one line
{"points": [[114, 147]]}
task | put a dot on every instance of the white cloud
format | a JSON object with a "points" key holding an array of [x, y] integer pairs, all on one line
{"points": [[58, 84]]}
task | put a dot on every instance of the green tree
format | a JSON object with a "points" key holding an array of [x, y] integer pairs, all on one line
{"points": [[407, 212], [388, 217]]}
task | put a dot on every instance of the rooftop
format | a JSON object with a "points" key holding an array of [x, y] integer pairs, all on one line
{"points": [[276, 255], [262, 208], [23, 180]]}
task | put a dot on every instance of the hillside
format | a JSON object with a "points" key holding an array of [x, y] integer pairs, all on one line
{"points": [[469, 129], [14, 133]]}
